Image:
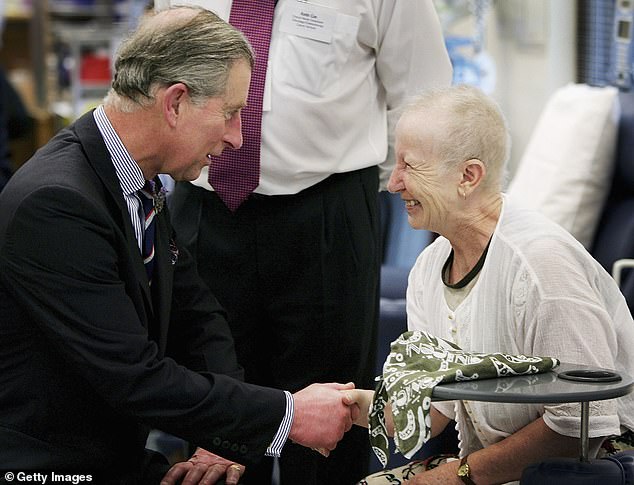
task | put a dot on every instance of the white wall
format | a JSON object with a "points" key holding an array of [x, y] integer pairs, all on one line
{"points": [[533, 44]]}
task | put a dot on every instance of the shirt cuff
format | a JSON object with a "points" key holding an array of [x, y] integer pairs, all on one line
{"points": [[275, 448]]}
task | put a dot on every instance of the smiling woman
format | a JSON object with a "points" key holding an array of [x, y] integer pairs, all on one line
{"points": [[500, 278], [452, 188]]}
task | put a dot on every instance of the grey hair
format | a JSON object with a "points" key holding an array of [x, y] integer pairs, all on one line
{"points": [[190, 45], [471, 125]]}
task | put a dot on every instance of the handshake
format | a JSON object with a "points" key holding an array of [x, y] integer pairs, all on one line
{"points": [[324, 412]]}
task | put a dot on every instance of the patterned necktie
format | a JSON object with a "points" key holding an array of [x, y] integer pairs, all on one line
{"points": [[146, 194], [236, 173]]}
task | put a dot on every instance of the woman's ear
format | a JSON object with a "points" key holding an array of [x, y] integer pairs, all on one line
{"points": [[473, 173]]}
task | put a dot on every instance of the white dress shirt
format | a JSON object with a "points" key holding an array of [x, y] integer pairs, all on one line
{"points": [[538, 293], [331, 105]]}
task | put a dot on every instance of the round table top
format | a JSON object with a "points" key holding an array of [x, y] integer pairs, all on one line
{"points": [[545, 388]]}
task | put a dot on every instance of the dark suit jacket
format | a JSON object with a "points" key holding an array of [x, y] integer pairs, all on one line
{"points": [[90, 357]]}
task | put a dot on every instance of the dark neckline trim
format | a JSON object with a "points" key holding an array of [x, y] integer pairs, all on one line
{"points": [[470, 275]]}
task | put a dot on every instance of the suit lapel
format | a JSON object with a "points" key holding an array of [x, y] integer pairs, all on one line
{"points": [[99, 157]]}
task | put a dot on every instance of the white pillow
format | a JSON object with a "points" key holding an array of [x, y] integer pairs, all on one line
{"points": [[567, 167]]}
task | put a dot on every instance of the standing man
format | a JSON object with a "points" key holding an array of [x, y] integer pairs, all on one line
{"points": [[99, 343], [303, 249]]}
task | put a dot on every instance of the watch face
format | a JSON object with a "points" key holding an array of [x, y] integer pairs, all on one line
{"points": [[463, 471]]}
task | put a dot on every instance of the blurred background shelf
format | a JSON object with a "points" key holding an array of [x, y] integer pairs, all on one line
{"points": [[57, 55]]}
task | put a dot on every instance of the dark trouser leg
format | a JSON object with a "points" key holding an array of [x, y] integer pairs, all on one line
{"points": [[298, 276]]}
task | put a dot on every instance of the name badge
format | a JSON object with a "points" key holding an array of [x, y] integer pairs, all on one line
{"points": [[310, 21]]}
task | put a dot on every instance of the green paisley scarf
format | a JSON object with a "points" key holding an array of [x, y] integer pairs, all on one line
{"points": [[418, 362]]}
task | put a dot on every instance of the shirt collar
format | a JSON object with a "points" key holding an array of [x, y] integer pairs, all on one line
{"points": [[128, 172]]}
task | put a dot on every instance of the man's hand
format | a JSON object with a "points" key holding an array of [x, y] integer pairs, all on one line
{"points": [[322, 416], [204, 468]]}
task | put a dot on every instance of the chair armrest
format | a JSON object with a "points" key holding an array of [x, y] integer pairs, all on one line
{"points": [[618, 266]]}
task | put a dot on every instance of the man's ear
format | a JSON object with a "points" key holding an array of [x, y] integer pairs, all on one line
{"points": [[473, 173], [172, 102]]}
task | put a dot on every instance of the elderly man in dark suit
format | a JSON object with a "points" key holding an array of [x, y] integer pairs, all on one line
{"points": [[97, 347]]}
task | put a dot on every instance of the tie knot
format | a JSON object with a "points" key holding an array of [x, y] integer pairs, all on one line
{"points": [[147, 196]]}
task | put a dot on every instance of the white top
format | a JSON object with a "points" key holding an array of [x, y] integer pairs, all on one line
{"points": [[330, 104], [538, 293]]}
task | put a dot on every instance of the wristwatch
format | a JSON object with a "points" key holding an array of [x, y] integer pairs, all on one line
{"points": [[464, 472]]}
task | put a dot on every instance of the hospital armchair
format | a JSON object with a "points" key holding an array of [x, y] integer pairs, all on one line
{"points": [[578, 169], [613, 244]]}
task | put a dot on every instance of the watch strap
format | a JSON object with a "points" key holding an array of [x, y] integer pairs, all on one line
{"points": [[464, 472]]}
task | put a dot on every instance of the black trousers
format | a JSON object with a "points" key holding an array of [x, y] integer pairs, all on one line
{"points": [[298, 276]]}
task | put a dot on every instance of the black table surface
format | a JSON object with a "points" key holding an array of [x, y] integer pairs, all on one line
{"points": [[545, 388]]}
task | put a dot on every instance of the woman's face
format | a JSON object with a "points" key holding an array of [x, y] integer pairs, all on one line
{"points": [[428, 189]]}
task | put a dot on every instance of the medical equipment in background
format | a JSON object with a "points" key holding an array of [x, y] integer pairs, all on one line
{"points": [[621, 52]]}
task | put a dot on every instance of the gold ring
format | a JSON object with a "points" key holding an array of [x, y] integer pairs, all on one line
{"points": [[238, 468]]}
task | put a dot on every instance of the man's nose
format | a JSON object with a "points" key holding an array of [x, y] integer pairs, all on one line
{"points": [[233, 134]]}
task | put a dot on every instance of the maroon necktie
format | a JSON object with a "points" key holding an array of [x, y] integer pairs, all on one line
{"points": [[236, 173]]}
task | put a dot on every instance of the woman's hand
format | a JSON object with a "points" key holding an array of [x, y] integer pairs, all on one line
{"points": [[363, 399], [204, 468], [445, 474]]}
